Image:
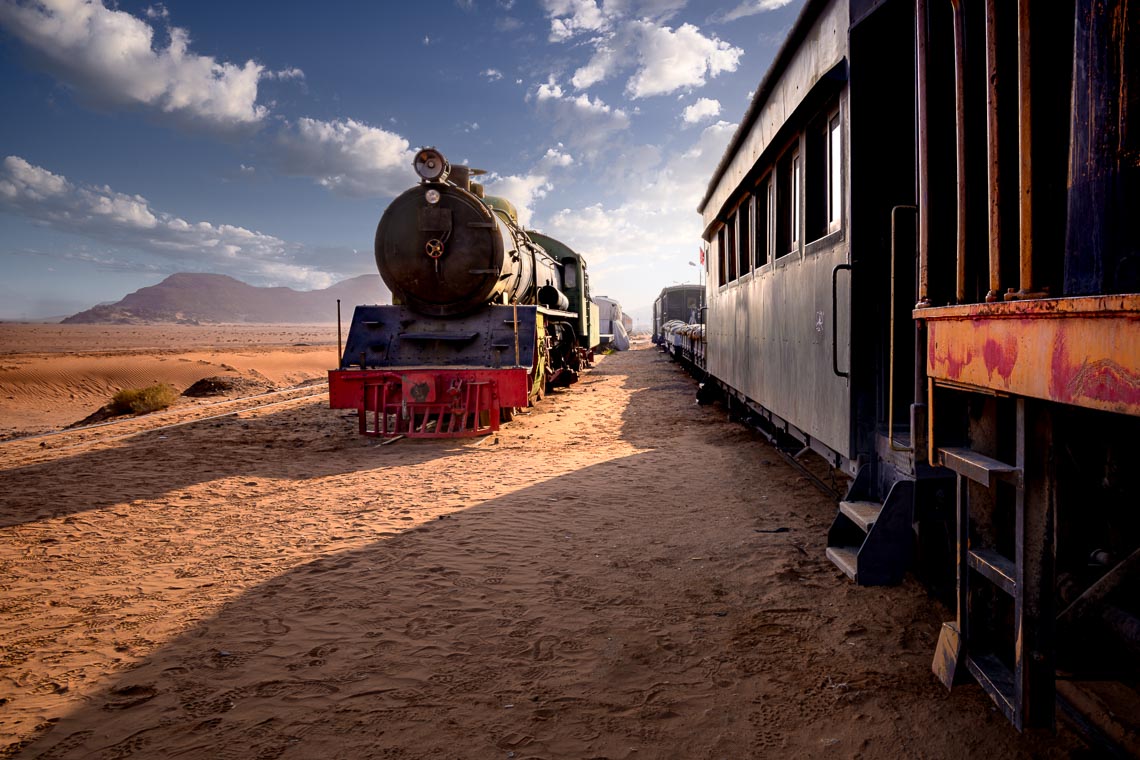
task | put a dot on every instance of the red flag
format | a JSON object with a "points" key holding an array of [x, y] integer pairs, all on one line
{"points": [[702, 256]]}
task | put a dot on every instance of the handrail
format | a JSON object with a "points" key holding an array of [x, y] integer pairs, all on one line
{"points": [[835, 320], [891, 358]]}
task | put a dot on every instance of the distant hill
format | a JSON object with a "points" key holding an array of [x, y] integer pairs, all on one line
{"points": [[191, 298]]}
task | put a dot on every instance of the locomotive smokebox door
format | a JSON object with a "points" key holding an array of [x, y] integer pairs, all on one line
{"points": [[435, 219]]}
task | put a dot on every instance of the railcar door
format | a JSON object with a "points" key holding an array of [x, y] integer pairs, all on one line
{"points": [[883, 205]]}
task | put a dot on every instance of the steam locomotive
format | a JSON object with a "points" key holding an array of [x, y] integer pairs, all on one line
{"points": [[486, 316]]}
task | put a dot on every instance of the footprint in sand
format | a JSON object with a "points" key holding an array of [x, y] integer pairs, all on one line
{"points": [[274, 627], [126, 697]]}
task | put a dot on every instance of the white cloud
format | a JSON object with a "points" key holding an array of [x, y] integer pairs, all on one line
{"points": [[556, 158], [521, 190], [569, 18], [663, 59], [601, 66], [345, 156], [110, 217], [582, 122], [493, 75], [751, 8], [110, 57], [657, 219], [288, 73], [670, 60], [704, 108]]}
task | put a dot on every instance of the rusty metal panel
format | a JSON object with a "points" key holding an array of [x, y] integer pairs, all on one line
{"points": [[1082, 351], [770, 337]]}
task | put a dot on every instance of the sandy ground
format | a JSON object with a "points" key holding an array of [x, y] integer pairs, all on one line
{"points": [[602, 580], [54, 375]]}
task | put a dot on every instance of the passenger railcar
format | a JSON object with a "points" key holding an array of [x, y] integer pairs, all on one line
{"points": [[680, 302], [923, 267], [485, 316]]}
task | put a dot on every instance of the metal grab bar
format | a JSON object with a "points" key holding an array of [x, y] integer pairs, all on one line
{"points": [[835, 319], [891, 358]]}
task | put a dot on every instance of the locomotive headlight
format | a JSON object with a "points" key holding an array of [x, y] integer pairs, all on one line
{"points": [[430, 164], [432, 196]]}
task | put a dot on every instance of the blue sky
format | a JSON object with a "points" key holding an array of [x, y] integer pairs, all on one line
{"points": [[263, 140]]}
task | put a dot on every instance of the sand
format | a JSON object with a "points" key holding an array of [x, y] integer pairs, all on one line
{"points": [[618, 574], [55, 375]]}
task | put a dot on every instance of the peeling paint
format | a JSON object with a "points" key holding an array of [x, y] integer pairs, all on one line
{"points": [[1075, 351], [1000, 356]]}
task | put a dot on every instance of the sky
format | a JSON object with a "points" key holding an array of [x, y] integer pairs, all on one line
{"points": [[263, 140]]}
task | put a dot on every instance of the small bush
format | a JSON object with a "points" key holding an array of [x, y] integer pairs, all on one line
{"points": [[143, 400]]}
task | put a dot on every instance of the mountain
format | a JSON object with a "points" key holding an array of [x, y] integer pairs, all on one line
{"points": [[190, 298]]}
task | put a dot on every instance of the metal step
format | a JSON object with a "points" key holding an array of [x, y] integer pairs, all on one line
{"points": [[997, 681], [977, 467], [1000, 570], [846, 558], [862, 513]]}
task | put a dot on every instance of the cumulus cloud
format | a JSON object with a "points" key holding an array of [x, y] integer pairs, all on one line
{"points": [[493, 75], [750, 8], [345, 156], [118, 219], [520, 190], [670, 60], [572, 17], [704, 108], [662, 59], [556, 158], [111, 57], [582, 122], [288, 73], [656, 221]]}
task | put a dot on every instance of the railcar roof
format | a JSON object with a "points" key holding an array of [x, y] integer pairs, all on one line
{"points": [[791, 43]]}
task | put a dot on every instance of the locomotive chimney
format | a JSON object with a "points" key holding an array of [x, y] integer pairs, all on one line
{"points": [[460, 176]]}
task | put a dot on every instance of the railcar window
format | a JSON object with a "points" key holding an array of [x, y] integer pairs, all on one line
{"points": [[797, 200], [782, 221], [815, 182], [834, 173], [761, 204], [744, 236], [569, 275], [730, 252], [721, 270]]}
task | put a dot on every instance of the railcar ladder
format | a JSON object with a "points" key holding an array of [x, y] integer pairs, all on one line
{"points": [[1025, 694]]}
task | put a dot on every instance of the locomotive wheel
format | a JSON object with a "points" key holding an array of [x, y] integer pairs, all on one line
{"points": [[506, 413]]}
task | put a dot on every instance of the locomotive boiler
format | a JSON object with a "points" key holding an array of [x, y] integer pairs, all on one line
{"points": [[485, 317]]}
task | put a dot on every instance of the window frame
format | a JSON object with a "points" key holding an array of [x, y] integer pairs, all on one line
{"points": [[744, 237], [836, 197]]}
